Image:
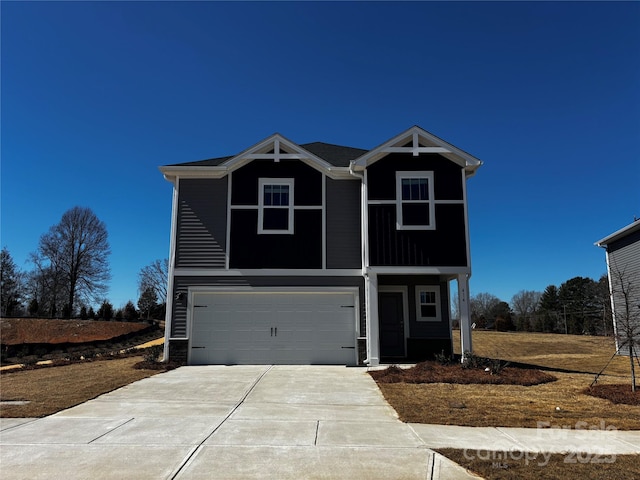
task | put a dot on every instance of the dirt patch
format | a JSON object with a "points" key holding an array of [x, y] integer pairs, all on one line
{"points": [[432, 372], [16, 331]]}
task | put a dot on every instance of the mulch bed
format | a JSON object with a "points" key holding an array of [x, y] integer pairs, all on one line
{"points": [[433, 372], [615, 393]]}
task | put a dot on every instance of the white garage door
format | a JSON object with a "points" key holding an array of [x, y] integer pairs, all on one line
{"points": [[289, 328]]}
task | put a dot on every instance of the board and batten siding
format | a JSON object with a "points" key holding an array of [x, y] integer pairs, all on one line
{"points": [[624, 261], [182, 284], [343, 224], [202, 223]]}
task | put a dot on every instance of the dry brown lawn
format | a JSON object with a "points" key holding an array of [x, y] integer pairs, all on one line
{"points": [[520, 406], [52, 389]]}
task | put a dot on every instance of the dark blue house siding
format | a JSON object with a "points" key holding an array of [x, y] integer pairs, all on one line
{"points": [[303, 249]]}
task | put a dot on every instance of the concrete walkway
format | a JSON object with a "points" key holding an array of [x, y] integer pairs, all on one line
{"points": [[259, 422]]}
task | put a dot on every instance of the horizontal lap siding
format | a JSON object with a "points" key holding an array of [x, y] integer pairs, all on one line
{"points": [[343, 224], [624, 261], [202, 220], [182, 284]]}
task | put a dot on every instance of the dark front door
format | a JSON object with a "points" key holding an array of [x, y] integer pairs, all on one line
{"points": [[391, 318]]}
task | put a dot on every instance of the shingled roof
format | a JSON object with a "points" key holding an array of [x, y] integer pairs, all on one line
{"points": [[336, 155]]}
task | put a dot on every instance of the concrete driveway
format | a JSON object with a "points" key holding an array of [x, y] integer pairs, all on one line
{"points": [[226, 422]]}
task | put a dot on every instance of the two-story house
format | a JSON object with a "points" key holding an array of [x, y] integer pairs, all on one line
{"points": [[319, 253]]}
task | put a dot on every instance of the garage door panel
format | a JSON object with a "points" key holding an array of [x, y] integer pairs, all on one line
{"points": [[273, 328]]}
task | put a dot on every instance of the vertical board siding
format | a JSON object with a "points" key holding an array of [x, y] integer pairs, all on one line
{"points": [[624, 263], [182, 284], [202, 219], [343, 224]]}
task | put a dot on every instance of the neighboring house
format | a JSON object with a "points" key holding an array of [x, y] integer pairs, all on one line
{"points": [[623, 269], [319, 253]]}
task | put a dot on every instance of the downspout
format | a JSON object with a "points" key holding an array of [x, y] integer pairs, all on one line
{"points": [[364, 245]]}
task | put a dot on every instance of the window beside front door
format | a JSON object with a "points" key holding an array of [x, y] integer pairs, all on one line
{"points": [[428, 303], [414, 201], [275, 206]]}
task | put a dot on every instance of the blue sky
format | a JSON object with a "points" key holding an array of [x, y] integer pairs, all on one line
{"points": [[96, 96]]}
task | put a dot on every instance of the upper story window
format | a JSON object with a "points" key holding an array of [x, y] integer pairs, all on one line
{"points": [[414, 201], [275, 206], [428, 303]]}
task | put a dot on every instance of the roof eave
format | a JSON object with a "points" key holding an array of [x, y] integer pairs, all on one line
{"points": [[623, 232]]}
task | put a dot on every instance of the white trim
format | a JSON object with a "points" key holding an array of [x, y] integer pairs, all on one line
{"points": [[419, 270], [415, 133], [168, 316], [402, 175], [404, 290], [371, 317], [228, 232], [266, 272], [466, 222], [324, 222], [262, 182], [437, 202], [438, 304]]}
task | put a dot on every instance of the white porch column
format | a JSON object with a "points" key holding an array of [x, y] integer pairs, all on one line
{"points": [[373, 329], [465, 314]]}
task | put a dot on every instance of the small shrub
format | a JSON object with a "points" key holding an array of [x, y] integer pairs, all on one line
{"points": [[472, 361], [152, 354], [443, 359]]}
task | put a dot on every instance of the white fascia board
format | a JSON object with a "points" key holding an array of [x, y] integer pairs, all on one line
{"points": [[462, 158], [258, 151], [623, 232], [213, 272], [419, 270], [172, 172]]}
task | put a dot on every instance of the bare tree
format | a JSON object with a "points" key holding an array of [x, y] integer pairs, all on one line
{"points": [[78, 248], [625, 299], [524, 305], [155, 277], [482, 306]]}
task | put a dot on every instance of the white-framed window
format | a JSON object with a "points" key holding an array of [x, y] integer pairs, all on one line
{"points": [[414, 201], [275, 206], [428, 303]]}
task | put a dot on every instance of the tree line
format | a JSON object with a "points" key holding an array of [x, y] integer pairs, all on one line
{"points": [[70, 274], [579, 306]]}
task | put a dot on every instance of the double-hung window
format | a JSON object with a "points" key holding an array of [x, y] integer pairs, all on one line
{"points": [[414, 201], [275, 206], [428, 303]]}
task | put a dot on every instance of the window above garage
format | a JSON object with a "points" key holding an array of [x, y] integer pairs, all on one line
{"points": [[414, 201], [275, 206]]}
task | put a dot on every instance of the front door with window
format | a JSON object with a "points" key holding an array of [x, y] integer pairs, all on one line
{"points": [[391, 319]]}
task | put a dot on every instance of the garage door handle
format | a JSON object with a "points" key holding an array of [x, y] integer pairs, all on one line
{"points": [[197, 347], [352, 348]]}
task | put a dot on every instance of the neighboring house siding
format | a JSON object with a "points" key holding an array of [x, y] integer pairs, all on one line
{"points": [[624, 261], [182, 284], [443, 246], [343, 224], [201, 226]]}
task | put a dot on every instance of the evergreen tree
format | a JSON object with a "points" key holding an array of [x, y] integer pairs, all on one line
{"points": [[105, 312], [11, 285], [130, 312]]}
